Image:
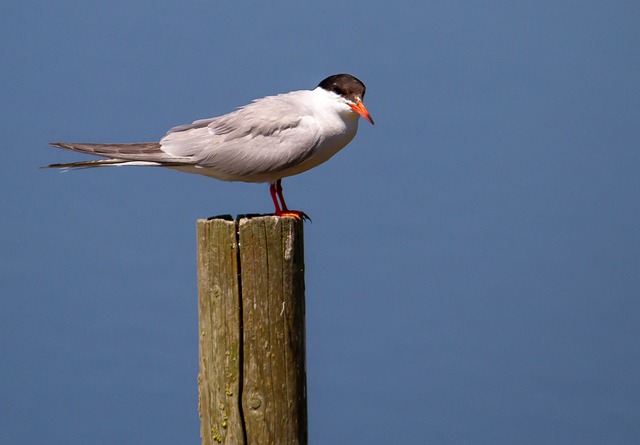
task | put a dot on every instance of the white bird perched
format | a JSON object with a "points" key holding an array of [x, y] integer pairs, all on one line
{"points": [[265, 141]]}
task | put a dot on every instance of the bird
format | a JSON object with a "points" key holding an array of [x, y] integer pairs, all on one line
{"points": [[263, 142]]}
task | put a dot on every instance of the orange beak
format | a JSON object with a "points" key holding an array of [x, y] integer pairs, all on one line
{"points": [[361, 110]]}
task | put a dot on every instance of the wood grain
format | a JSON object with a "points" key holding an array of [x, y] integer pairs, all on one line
{"points": [[252, 378]]}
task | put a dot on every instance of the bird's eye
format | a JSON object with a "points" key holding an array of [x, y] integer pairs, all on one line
{"points": [[336, 89]]}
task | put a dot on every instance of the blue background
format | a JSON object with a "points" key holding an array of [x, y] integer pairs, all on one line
{"points": [[473, 266]]}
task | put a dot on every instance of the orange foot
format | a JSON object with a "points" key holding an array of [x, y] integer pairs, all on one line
{"points": [[297, 214], [281, 208]]}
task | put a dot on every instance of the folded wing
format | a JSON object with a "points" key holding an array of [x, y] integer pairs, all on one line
{"points": [[267, 136]]}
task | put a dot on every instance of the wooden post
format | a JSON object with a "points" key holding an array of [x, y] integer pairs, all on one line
{"points": [[252, 381]]}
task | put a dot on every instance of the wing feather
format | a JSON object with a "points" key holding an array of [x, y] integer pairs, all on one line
{"points": [[267, 136]]}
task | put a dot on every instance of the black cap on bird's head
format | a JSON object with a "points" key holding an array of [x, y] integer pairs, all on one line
{"points": [[349, 87]]}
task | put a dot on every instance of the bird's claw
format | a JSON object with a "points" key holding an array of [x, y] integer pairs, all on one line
{"points": [[297, 214]]}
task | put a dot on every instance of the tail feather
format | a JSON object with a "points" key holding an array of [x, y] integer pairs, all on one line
{"points": [[85, 164], [109, 163], [144, 153]]}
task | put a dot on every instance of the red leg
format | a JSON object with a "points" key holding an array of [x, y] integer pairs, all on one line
{"points": [[281, 208], [273, 191], [279, 190]]}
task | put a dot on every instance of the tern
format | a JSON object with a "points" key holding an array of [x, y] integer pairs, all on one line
{"points": [[265, 141]]}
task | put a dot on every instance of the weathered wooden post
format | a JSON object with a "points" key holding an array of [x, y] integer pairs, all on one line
{"points": [[252, 380]]}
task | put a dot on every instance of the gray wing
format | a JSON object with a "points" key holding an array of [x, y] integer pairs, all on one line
{"points": [[269, 135]]}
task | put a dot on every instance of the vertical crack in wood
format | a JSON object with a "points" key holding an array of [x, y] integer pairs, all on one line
{"points": [[243, 421]]}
